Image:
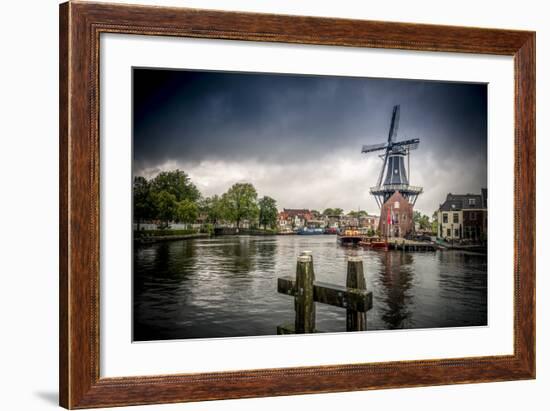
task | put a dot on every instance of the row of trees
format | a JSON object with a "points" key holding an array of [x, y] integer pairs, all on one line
{"points": [[240, 203], [171, 196], [338, 212]]}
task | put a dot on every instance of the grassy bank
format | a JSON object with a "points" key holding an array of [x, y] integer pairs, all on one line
{"points": [[150, 236], [162, 233], [258, 232], [153, 236]]}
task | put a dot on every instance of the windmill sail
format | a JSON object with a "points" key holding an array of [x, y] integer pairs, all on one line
{"points": [[394, 124], [411, 144], [373, 147]]}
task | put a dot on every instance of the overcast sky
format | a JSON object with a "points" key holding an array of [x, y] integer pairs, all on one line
{"points": [[298, 138]]}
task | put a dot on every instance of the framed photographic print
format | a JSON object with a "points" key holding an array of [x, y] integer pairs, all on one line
{"points": [[258, 205]]}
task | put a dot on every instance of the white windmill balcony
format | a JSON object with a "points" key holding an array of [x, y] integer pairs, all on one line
{"points": [[405, 188]]}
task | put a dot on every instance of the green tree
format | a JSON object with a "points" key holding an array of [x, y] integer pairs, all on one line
{"points": [[422, 220], [177, 183], [213, 208], [425, 223], [353, 214], [240, 203], [165, 205], [434, 225], [143, 202], [356, 214], [186, 211], [268, 211], [333, 211]]}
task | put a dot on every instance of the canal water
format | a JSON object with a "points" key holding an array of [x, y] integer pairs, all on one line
{"points": [[227, 286]]}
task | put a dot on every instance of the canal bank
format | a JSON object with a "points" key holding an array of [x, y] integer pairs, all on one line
{"points": [[152, 236], [148, 239]]}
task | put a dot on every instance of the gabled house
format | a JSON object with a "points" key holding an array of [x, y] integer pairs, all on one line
{"points": [[463, 217], [294, 218]]}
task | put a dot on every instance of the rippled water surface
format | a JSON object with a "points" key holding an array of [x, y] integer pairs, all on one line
{"points": [[227, 286]]}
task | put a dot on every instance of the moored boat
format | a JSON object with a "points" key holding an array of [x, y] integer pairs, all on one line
{"points": [[374, 243], [349, 236], [309, 231]]}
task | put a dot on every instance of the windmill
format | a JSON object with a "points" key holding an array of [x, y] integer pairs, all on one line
{"points": [[394, 165]]}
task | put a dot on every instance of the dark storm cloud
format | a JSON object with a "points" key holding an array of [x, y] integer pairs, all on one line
{"points": [[250, 123]]}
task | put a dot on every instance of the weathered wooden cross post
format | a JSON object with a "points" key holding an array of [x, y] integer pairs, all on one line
{"points": [[356, 320], [303, 299], [306, 291]]}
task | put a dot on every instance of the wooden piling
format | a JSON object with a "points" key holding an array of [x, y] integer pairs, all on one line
{"points": [[306, 292], [304, 304], [355, 320]]}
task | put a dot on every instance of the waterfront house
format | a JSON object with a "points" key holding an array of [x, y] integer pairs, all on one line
{"points": [[332, 221], [293, 218], [370, 222], [349, 221], [463, 217]]}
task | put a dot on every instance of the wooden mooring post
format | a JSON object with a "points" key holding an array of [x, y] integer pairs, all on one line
{"points": [[306, 291], [303, 297], [356, 320]]}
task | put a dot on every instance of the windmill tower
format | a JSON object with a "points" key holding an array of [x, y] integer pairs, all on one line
{"points": [[394, 156], [394, 195]]}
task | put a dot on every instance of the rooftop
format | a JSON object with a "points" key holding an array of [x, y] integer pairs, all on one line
{"points": [[457, 202]]}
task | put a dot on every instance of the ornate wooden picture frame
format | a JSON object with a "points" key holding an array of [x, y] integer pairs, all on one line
{"points": [[80, 27]]}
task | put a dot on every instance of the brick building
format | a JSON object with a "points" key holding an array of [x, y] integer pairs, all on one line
{"points": [[370, 222], [463, 217], [396, 217], [294, 218]]}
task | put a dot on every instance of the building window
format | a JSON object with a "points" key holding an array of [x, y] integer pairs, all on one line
{"points": [[445, 218], [455, 218], [472, 201], [404, 217], [448, 232], [396, 204], [456, 232]]}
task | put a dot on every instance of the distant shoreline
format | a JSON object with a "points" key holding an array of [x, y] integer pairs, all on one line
{"points": [[153, 238], [159, 238]]}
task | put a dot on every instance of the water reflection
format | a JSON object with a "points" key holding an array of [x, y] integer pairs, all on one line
{"points": [[396, 282], [226, 286]]}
